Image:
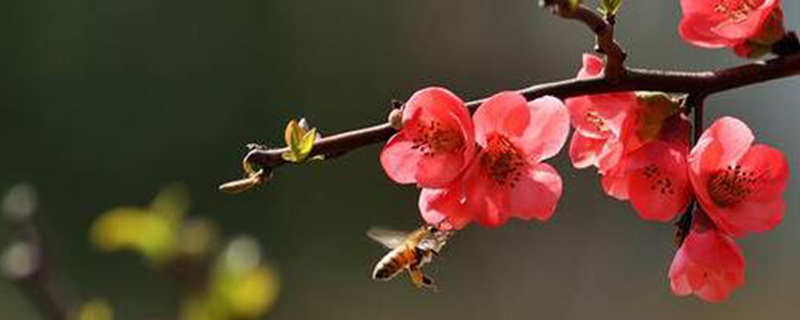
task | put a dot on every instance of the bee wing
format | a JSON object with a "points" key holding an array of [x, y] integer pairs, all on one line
{"points": [[389, 238]]}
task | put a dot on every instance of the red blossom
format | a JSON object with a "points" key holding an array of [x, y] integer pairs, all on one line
{"points": [[637, 142], [507, 179], [436, 143], [708, 264], [598, 121], [739, 185], [750, 27]]}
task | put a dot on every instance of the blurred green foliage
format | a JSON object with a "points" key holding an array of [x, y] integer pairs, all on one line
{"points": [[239, 286]]}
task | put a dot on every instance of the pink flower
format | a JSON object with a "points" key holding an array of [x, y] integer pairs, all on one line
{"points": [[709, 264], [739, 185], [436, 143], [507, 178], [731, 23], [653, 172], [445, 207], [598, 121], [638, 143]]}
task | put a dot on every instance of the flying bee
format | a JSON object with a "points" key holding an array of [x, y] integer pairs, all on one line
{"points": [[410, 251]]}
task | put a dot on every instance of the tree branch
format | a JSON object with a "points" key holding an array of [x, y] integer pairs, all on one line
{"points": [[699, 84], [602, 28], [695, 103], [25, 261]]}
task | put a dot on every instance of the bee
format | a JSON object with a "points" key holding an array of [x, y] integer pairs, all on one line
{"points": [[410, 251]]}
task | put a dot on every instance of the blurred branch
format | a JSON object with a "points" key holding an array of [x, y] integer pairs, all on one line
{"points": [[696, 84], [696, 103], [602, 28], [25, 261]]}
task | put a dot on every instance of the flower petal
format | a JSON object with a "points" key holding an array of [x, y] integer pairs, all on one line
{"points": [[658, 181], [484, 199], [679, 281], [771, 169], [705, 7], [436, 142], [436, 103], [399, 159], [584, 151], [698, 30], [721, 145], [405, 164], [748, 216], [441, 106], [444, 207], [547, 131], [602, 115], [439, 170], [592, 66], [615, 181], [750, 26], [536, 194], [708, 264], [762, 173], [504, 113], [582, 118]]}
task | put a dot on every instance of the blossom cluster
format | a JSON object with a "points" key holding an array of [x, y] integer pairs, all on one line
{"points": [[639, 143], [750, 27], [486, 168], [489, 167]]}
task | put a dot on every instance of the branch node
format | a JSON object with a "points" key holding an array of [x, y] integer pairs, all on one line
{"points": [[788, 45], [603, 29], [396, 118]]}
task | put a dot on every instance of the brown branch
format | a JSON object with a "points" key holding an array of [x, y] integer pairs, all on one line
{"points": [[693, 83], [331, 147], [603, 30], [695, 103], [25, 262]]}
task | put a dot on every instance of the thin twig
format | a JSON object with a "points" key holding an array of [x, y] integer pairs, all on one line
{"points": [[696, 103], [603, 30], [693, 83]]}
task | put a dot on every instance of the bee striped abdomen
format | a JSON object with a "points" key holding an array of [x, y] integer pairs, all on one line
{"points": [[393, 263]]}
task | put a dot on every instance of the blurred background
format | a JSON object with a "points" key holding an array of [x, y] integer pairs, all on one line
{"points": [[105, 102]]}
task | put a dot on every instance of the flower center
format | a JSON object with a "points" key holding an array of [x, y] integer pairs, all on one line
{"points": [[502, 160], [435, 138], [736, 10], [594, 118], [732, 185], [658, 180]]}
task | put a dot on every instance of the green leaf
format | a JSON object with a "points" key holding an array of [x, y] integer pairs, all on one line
{"points": [[307, 143], [610, 7], [300, 142], [293, 135]]}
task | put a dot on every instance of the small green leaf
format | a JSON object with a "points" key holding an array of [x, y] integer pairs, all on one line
{"points": [[293, 135], [610, 7], [299, 140], [307, 143]]}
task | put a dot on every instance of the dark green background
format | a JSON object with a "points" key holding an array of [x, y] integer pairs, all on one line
{"points": [[103, 102]]}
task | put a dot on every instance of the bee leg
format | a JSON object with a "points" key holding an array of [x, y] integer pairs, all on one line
{"points": [[429, 283], [420, 280]]}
